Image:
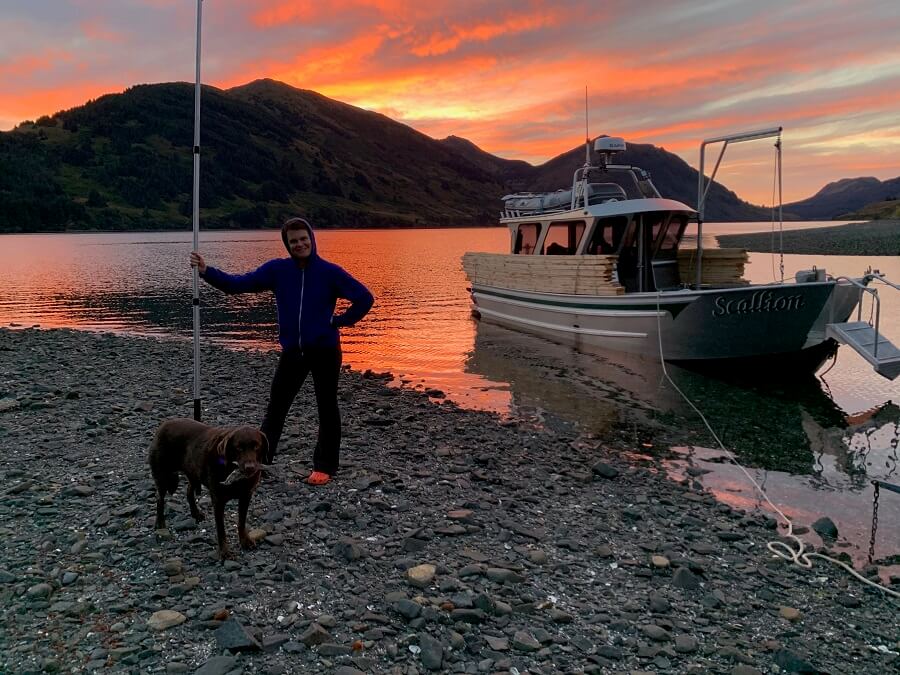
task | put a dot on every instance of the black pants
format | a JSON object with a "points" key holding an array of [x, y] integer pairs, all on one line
{"points": [[325, 365]]}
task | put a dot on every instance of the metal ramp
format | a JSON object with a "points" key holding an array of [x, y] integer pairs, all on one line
{"points": [[874, 348]]}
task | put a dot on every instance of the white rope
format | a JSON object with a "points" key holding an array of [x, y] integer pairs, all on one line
{"points": [[797, 555]]}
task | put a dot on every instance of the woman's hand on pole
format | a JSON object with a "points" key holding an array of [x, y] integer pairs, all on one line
{"points": [[198, 262]]}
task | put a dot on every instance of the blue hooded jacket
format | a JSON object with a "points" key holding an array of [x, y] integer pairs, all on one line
{"points": [[305, 296]]}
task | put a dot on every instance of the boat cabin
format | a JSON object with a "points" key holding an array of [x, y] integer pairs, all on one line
{"points": [[646, 243]]}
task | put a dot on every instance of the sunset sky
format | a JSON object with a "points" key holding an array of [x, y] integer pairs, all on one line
{"points": [[509, 75]]}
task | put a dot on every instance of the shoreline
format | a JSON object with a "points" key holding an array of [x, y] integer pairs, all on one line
{"points": [[551, 552], [274, 228], [872, 238]]}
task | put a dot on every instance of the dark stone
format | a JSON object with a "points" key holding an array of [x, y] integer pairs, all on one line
{"points": [[314, 635], [232, 636], [467, 615], [217, 665], [432, 654], [610, 652], [684, 578], [409, 609], [792, 662], [825, 528], [270, 643], [332, 649], [347, 549], [604, 470]]}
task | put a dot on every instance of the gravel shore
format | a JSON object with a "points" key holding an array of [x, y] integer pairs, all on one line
{"points": [[451, 541], [877, 237]]}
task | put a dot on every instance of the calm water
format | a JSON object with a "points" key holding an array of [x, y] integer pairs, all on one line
{"points": [[818, 441]]}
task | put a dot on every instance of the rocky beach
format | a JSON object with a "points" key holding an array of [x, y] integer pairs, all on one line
{"points": [[451, 540], [876, 237]]}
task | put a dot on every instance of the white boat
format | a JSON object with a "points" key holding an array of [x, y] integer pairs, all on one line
{"points": [[597, 268]]}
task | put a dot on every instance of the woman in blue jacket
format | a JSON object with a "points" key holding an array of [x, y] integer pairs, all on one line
{"points": [[306, 289]]}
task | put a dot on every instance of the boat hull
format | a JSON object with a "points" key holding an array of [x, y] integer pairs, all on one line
{"points": [[711, 325]]}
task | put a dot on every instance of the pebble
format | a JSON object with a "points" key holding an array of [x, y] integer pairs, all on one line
{"points": [[685, 644], [789, 613], [217, 665], [39, 591], [656, 633], [525, 642]]}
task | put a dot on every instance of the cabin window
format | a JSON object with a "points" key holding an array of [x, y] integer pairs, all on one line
{"points": [[669, 241], [607, 236], [654, 224], [526, 238], [563, 238]]}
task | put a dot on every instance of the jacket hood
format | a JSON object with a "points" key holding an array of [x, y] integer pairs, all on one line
{"points": [[294, 223]]}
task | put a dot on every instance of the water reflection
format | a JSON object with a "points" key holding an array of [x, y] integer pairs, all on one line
{"points": [[813, 458]]}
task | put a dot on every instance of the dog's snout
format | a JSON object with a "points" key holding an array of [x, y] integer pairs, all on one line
{"points": [[250, 467]]}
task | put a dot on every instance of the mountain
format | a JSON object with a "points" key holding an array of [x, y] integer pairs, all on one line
{"points": [[886, 210], [840, 199], [511, 172], [124, 161]]}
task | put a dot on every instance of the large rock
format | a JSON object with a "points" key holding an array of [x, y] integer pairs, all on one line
{"points": [[825, 528], [165, 618], [421, 576]]}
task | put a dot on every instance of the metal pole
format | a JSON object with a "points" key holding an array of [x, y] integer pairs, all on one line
{"points": [[780, 214], [196, 220], [700, 199]]}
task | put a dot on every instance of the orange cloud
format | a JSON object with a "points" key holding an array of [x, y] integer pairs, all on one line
{"points": [[285, 12], [437, 43], [28, 65]]}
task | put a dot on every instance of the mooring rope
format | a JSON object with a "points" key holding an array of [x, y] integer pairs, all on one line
{"points": [[797, 555]]}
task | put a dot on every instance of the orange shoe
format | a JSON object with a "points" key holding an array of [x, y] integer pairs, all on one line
{"points": [[318, 478]]}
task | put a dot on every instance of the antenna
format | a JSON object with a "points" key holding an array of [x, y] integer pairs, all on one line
{"points": [[587, 137]]}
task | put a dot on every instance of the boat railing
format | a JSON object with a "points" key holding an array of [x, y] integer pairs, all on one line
{"points": [[641, 178], [875, 275], [861, 284], [521, 213], [703, 187]]}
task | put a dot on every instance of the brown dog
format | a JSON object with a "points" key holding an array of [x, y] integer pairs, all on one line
{"points": [[227, 460]]}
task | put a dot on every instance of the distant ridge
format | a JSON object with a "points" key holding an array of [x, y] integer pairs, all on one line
{"points": [[838, 200], [123, 161]]}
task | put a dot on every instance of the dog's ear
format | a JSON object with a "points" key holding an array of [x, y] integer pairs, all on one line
{"points": [[223, 445]]}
